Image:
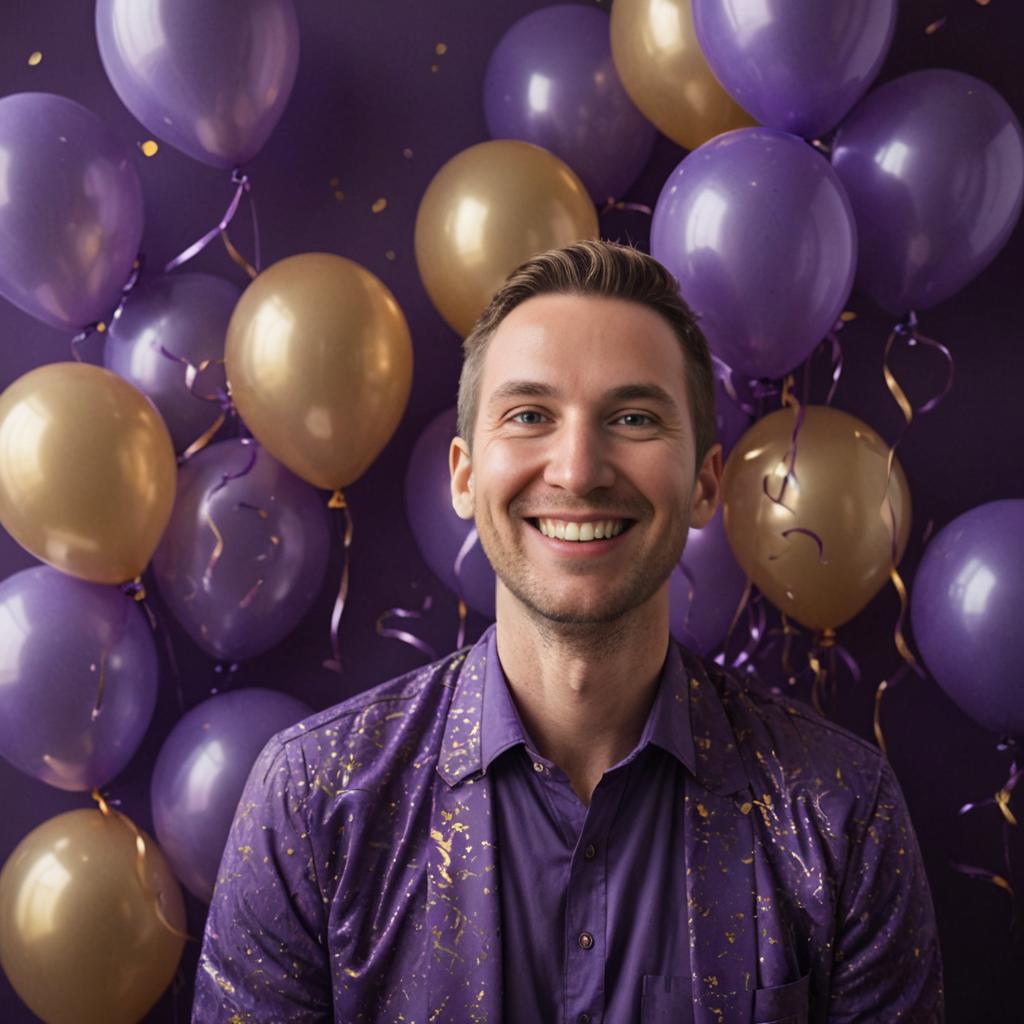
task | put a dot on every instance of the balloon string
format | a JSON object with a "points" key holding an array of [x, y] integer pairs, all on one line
{"points": [[756, 621], [403, 635], [691, 592], [617, 204], [338, 501], [468, 543], [140, 865], [744, 600], [788, 461], [222, 397], [241, 181], [218, 548], [100, 326]]}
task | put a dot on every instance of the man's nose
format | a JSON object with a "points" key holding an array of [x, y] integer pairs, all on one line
{"points": [[579, 460]]}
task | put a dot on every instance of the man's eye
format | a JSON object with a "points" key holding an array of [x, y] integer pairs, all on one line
{"points": [[530, 417], [635, 419]]}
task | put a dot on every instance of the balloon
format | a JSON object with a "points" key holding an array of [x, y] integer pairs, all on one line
{"points": [[185, 315], [568, 99], [438, 531], [730, 420], [839, 497], [705, 589], [244, 555], [80, 937], [664, 71], [70, 649], [965, 608], [758, 231], [319, 360], [200, 774], [934, 166], [796, 65], [87, 471], [489, 209], [211, 78], [70, 211]]}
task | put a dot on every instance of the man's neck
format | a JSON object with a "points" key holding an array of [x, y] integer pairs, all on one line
{"points": [[583, 691]]}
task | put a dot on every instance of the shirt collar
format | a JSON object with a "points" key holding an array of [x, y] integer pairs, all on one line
{"points": [[667, 725]]}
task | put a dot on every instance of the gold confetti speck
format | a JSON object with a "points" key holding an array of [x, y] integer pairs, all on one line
{"points": [[390, 255], [149, 148], [101, 327], [441, 49], [35, 58], [380, 205], [434, 68], [339, 195], [847, 315], [982, 3], [335, 182], [407, 153], [934, 27]]}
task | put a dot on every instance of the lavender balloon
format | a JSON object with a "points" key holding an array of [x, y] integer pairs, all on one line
{"points": [[551, 81], [167, 319], [78, 678], [71, 215], [758, 231], [965, 608], [797, 65], [241, 564], [705, 589], [933, 163], [200, 774], [438, 531], [211, 77]]}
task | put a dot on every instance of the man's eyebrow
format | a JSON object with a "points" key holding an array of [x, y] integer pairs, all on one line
{"points": [[634, 392], [521, 389], [514, 389]]}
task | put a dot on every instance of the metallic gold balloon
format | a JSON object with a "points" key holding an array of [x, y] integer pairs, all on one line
{"points": [[319, 360], [87, 471], [658, 58], [490, 208], [80, 938], [839, 497]]}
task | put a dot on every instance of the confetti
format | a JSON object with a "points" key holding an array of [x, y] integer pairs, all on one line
{"points": [[934, 27], [380, 205], [149, 148], [434, 68], [335, 182], [847, 315], [391, 255], [35, 58], [339, 195], [407, 153], [441, 49]]}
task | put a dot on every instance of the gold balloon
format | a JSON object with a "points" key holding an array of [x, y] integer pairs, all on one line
{"points": [[80, 938], [658, 58], [839, 495], [490, 208], [87, 471], [319, 360]]}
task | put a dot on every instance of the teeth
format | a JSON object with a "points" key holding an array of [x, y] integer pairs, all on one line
{"points": [[580, 532]]}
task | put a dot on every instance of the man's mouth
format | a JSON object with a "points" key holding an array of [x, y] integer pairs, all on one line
{"points": [[598, 529]]}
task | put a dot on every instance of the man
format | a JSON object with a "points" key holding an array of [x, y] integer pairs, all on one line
{"points": [[576, 820]]}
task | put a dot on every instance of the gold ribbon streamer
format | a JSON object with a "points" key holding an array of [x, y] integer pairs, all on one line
{"points": [[338, 501], [203, 439], [877, 720], [236, 255], [1002, 799], [140, 864]]}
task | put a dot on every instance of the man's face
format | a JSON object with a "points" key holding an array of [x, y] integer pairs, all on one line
{"points": [[581, 478]]}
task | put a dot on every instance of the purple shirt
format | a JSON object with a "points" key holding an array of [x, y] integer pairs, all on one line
{"points": [[377, 869]]}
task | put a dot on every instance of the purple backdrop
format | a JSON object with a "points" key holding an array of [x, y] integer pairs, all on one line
{"points": [[375, 111]]}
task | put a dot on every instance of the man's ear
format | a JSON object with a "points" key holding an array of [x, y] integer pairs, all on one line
{"points": [[460, 464], [707, 488]]}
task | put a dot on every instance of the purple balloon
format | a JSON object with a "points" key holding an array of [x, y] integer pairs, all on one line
{"points": [[758, 232], [965, 607], [78, 678], [933, 163], [438, 531], [551, 81], [186, 316], [705, 589], [211, 77], [71, 211], [200, 774], [240, 564], [796, 65]]}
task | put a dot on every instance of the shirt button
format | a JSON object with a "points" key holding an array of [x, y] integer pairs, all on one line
{"points": [[586, 940], [537, 766], [590, 852]]}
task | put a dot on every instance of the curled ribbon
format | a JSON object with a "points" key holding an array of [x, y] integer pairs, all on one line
{"points": [[467, 545], [140, 864], [242, 186], [222, 396], [617, 204], [338, 501], [101, 325], [218, 548], [403, 635]]}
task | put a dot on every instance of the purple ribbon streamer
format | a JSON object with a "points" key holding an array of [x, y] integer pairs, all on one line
{"points": [[133, 280], [401, 634], [467, 545], [241, 181]]}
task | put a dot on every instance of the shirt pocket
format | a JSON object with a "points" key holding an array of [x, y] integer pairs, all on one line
{"points": [[666, 999], [783, 1004]]}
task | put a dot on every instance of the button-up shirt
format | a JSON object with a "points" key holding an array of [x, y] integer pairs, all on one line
{"points": [[361, 882], [590, 895]]}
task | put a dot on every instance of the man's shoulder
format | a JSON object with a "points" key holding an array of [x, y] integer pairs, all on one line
{"points": [[413, 697]]}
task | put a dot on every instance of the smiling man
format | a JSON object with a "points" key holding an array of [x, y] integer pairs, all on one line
{"points": [[576, 820]]}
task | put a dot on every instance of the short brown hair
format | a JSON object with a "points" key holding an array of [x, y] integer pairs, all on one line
{"points": [[604, 269]]}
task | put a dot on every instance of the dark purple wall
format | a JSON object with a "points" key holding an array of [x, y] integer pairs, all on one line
{"points": [[365, 93]]}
